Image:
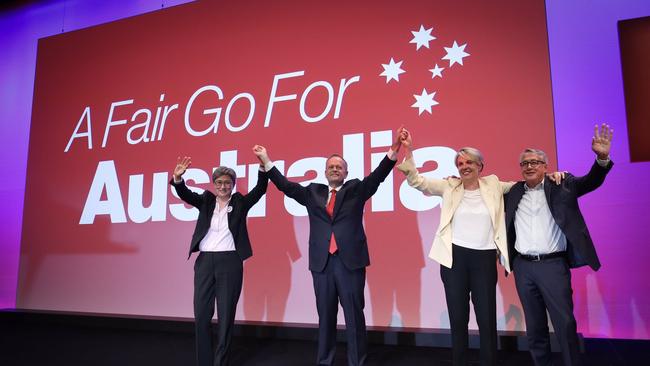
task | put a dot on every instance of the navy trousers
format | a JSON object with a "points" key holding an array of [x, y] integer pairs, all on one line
{"points": [[337, 283], [546, 285]]}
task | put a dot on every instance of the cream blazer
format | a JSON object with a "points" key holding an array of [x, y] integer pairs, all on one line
{"points": [[451, 190]]}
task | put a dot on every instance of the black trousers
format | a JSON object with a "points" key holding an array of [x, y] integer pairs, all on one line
{"points": [[217, 275], [337, 283], [546, 285], [474, 274]]}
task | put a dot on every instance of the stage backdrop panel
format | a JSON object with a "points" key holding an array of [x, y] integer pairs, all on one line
{"points": [[116, 104]]}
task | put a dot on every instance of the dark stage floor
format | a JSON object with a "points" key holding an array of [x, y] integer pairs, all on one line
{"points": [[43, 341]]}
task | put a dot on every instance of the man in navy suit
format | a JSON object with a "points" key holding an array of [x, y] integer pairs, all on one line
{"points": [[547, 236], [338, 251], [221, 237]]}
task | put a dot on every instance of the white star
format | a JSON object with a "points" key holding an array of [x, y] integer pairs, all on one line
{"points": [[424, 102], [455, 54], [422, 37], [392, 70], [436, 71]]}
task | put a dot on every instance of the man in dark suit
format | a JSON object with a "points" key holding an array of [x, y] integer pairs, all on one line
{"points": [[338, 251], [547, 236], [221, 237]]}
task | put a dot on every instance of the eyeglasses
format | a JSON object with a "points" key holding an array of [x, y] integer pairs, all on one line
{"points": [[531, 163], [225, 183]]}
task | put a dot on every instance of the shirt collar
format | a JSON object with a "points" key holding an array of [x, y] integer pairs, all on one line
{"points": [[336, 189], [539, 187], [227, 202]]}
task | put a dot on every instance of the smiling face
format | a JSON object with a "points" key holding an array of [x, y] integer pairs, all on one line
{"points": [[223, 187], [336, 170], [468, 168], [533, 168], [469, 162]]}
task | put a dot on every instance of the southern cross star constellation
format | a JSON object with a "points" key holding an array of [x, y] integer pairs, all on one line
{"points": [[422, 37]]}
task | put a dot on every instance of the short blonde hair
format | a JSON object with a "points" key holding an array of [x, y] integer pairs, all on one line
{"points": [[470, 153]]}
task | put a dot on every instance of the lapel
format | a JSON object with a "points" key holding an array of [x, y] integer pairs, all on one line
{"points": [[456, 196], [322, 193], [340, 196], [231, 207], [515, 195], [210, 204], [547, 192], [487, 194]]}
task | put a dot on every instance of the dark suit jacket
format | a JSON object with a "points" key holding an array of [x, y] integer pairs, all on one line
{"points": [[347, 223], [240, 204], [563, 203]]}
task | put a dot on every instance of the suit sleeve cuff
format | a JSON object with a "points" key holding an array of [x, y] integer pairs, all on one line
{"points": [[603, 162]]}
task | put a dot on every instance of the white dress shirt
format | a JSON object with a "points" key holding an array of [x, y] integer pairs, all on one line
{"points": [[219, 238], [537, 232]]}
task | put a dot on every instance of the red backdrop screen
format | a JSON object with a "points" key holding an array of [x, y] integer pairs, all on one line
{"points": [[114, 105]]}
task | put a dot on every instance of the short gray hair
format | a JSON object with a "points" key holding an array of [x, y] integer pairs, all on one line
{"points": [[533, 151], [471, 153], [224, 170]]}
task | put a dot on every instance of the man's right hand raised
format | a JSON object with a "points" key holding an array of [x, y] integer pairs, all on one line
{"points": [[602, 141]]}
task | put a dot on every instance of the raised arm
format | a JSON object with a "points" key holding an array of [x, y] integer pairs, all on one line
{"points": [[428, 186], [178, 183], [370, 183], [291, 189], [258, 191], [601, 144]]}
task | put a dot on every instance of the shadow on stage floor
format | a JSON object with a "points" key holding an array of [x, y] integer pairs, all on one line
{"points": [[28, 338]]}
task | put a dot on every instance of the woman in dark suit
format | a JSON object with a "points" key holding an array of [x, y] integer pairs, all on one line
{"points": [[221, 237]]}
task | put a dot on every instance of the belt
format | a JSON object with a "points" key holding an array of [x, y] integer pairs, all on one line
{"points": [[539, 257]]}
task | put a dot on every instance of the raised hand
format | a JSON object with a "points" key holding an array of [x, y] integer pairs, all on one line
{"points": [[262, 155], [181, 166], [398, 138], [602, 141], [406, 138]]}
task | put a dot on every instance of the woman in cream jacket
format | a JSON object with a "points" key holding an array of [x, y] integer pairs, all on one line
{"points": [[470, 237]]}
